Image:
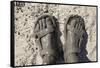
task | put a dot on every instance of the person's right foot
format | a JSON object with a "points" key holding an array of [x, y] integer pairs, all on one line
{"points": [[73, 32], [45, 33]]}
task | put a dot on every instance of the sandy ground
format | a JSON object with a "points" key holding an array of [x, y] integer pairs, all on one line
{"points": [[25, 16]]}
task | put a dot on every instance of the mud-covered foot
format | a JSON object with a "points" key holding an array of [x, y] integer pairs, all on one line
{"points": [[45, 36], [73, 33]]}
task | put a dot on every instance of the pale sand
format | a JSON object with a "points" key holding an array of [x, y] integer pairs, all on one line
{"points": [[25, 48]]}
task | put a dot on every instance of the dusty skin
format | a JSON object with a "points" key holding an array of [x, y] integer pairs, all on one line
{"points": [[45, 38], [73, 33]]}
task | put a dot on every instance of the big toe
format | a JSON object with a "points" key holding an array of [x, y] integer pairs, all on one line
{"points": [[49, 22]]}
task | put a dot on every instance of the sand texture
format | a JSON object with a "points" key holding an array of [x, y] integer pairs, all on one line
{"points": [[26, 52]]}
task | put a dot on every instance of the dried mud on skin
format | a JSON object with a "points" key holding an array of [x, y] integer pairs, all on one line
{"points": [[26, 52]]}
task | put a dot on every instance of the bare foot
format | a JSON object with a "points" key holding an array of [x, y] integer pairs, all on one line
{"points": [[45, 36], [73, 32]]}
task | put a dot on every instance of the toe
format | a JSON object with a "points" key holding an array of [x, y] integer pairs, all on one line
{"points": [[40, 24], [48, 22], [73, 23], [44, 23], [77, 25], [81, 26], [36, 28]]}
